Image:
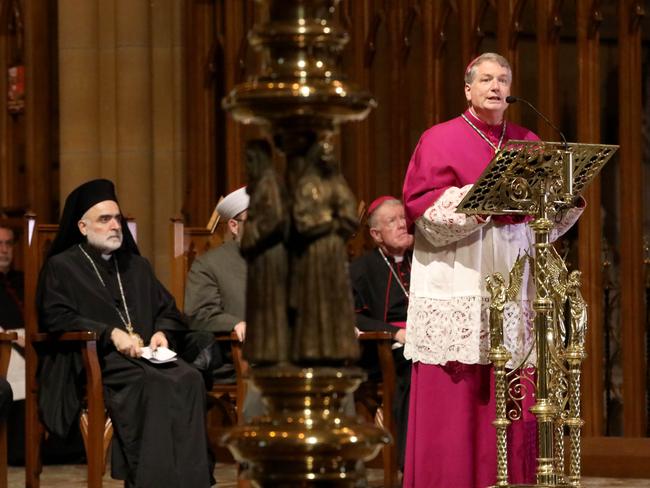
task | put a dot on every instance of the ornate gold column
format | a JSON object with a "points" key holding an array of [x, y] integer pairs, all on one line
{"points": [[299, 94]]}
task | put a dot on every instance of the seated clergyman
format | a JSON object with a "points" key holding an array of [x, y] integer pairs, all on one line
{"points": [[215, 292], [95, 279], [380, 282]]}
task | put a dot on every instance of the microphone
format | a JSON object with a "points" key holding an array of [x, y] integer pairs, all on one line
{"points": [[511, 99], [567, 176]]}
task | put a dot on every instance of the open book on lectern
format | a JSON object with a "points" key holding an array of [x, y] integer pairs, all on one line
{"points": [[523, 173]]}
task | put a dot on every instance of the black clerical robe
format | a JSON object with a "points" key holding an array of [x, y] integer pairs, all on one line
{"points": [[158, 411], [5, 399], [11, 300], [380, 302]]}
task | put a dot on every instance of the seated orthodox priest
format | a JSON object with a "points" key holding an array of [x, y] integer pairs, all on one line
{"points": [[380, 282], [95, 279]]}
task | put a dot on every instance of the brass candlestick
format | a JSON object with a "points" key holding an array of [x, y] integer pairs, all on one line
{"points": [[294, 240]]}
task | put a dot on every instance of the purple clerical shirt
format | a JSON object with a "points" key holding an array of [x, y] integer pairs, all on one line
{"points": [[451, 154]]}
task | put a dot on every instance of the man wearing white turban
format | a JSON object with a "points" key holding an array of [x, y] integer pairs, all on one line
{"points": [[215, 293]]}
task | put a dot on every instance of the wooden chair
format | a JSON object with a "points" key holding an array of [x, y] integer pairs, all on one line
{"points": [[385, 392], [95, 426], [190, 242], [5, 353], [360, 241]]}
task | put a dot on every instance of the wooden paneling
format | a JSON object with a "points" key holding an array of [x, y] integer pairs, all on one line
{"points": [[356, 150], [203, 67], [469, 14], [590, 231], [235, 19], [439, 18], [616, 457], [631, 202], [216, 57], [12, 139], [508, 28], [41, 149], [548, 35]]}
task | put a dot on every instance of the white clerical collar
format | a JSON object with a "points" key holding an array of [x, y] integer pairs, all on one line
{"points": [[398, 259]]}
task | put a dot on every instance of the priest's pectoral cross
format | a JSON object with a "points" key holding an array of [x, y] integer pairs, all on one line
{"points": [[132, 333]]}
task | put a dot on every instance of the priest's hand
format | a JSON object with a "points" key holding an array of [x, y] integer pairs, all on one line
{"points": [[400, 336], [159, 339], [126, 344], [240, 330]]}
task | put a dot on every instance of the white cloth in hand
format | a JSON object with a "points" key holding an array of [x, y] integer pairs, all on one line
{"points": [[159, 356]]}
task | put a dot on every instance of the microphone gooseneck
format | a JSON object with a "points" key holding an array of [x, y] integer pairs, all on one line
{"points": [[510, 99]]}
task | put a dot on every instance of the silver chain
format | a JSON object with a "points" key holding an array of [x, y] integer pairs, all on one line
{"points": [[127, 321], [392, 270], [485, 138]]}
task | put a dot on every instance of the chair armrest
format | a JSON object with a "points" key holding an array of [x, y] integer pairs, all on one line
{"points": [[383, 342], [5, 351], [375, 336], [226, 336], [8, 336], [78, 336], [241, 365]]}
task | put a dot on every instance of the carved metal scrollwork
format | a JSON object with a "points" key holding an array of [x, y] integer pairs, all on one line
{"points": [[529, 167]]}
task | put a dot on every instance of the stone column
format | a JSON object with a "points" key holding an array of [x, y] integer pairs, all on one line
{"points": [[120, 104]]}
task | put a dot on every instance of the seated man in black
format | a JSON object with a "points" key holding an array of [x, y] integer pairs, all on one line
{"points": [[95, 279], [55, 450], [11, 283], [380, 282], [5, 399], [11, 319]]}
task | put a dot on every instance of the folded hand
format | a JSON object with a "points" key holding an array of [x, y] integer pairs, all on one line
{"points": [[158, 340], [125, 343]]}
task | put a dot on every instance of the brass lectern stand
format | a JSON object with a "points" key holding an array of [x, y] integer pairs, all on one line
{"points": [[542, 180]]}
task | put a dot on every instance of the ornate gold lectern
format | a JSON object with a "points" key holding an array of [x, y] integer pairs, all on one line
{"points": [[302, 338], [542, 180]]}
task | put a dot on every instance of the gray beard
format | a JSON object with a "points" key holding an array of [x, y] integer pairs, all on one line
{"points": [[104, 246]]}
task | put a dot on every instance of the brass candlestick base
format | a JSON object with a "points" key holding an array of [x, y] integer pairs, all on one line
{"points": [[306, 439]]}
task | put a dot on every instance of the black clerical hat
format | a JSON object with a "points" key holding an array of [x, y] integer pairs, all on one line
{"points": [[77, 204]]}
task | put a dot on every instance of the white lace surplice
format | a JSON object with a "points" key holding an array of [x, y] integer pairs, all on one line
{"points": [[449, 303]]}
